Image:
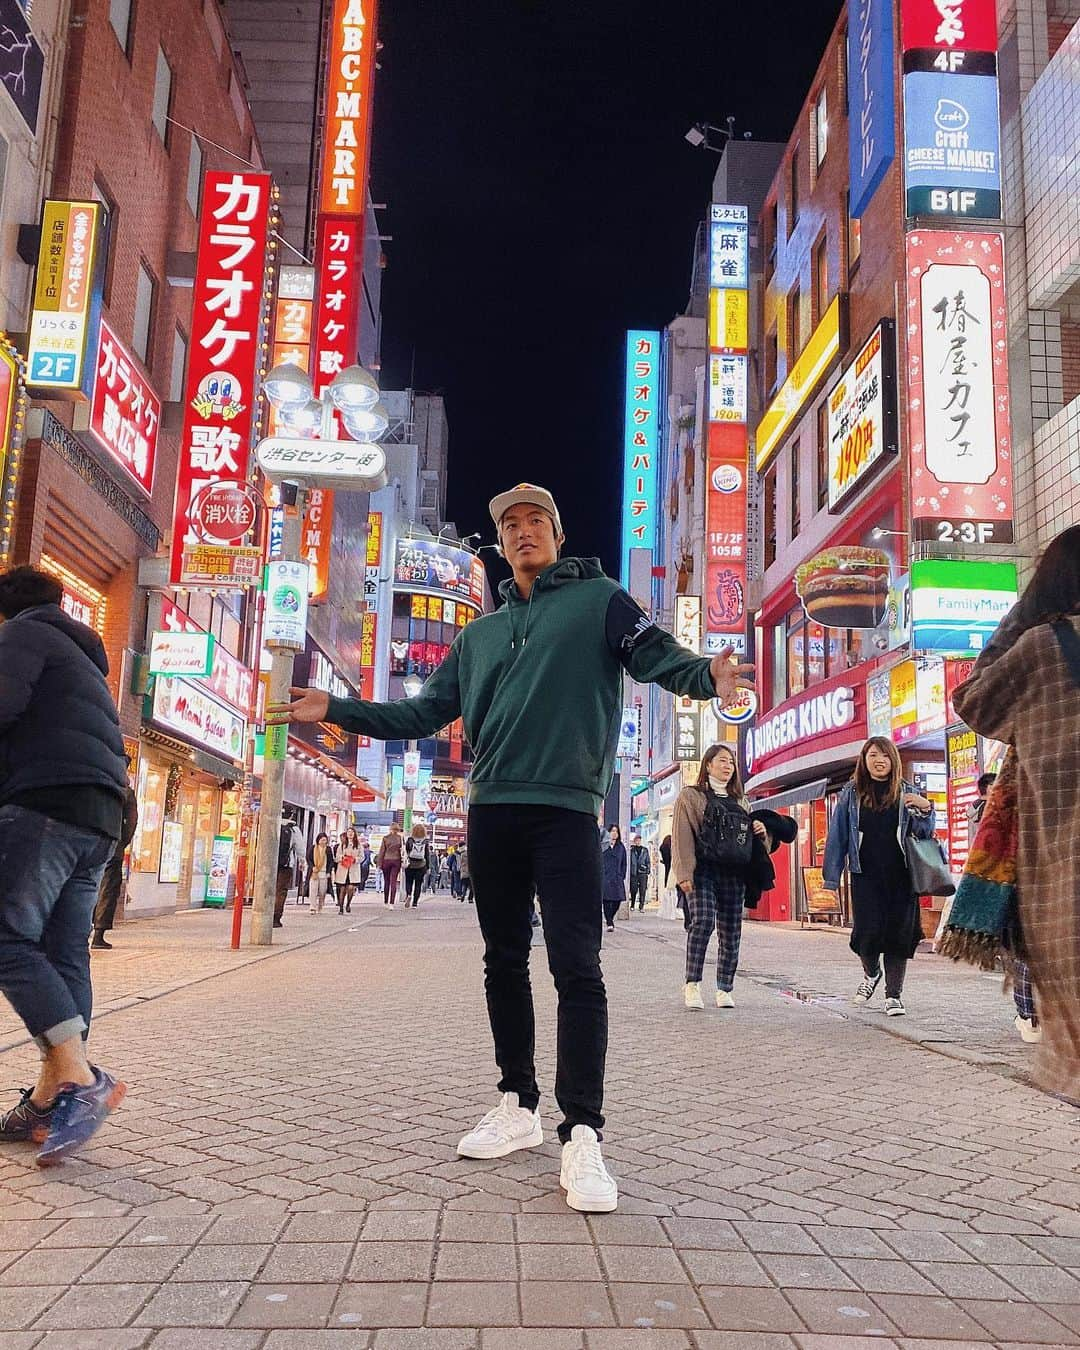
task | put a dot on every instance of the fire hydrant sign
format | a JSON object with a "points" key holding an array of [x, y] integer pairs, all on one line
{"points": [[220, 393], [125, 412]]}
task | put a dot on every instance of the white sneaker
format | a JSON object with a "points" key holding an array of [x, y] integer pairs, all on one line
{"points": [[894, 1007], [692, 996], [589, 1186], [504, 1130], [1029, 1029], [725, 999]]}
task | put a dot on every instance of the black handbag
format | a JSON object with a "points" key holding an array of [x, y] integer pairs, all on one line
{"points": [[725, 838]]}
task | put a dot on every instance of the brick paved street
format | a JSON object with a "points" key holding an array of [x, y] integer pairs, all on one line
{"points": [[793, 1174]]}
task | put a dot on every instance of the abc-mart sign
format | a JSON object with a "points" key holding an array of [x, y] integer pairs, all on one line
{"points": [[792, 731]]}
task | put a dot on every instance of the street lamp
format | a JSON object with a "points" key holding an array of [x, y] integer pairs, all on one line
{"points": [[412, 684], [309, 454]]}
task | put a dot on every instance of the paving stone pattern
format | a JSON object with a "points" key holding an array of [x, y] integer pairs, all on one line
{"points": [[794, 1176]]}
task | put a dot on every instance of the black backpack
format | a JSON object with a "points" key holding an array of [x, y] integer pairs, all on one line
{"points": [[725, 838]]}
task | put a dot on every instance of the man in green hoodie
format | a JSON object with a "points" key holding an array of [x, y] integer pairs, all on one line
{"points": [[538, 685]]}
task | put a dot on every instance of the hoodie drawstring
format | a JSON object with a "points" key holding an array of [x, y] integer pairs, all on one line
{"points": [[528, 614]]}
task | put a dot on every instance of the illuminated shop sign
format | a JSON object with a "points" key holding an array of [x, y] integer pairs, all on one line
{"points": [[431, 565], [641, 415], [956, 604], [688, 622], [871, 107], [959, 433], [347, 128], [803, 721], [125, 412], [67, 297], [191, 711], [862, 415], [822, 349], [727, 387], [729, 247]]}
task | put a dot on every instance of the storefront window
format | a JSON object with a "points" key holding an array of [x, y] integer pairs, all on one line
{"points": [[779, 664], [836, 651], [146, 846], [815, 653], [796, 653]]}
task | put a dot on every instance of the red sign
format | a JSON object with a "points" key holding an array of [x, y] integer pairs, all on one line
{"points": [[725, 537], [959, 433], [124, 410], [829, 716], [223, 513], [956, 672], [338, 289], [962, 758], [220, 393], [367, 656], [949, 25], [315, 537], [347, 127], [229, 678]]}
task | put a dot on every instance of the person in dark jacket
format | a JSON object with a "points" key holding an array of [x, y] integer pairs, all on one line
{"points": [[614, 864], [640, 867], [63, 777], [874, 817], [538, 685], [665, 858], [417, 862], [112, 882]]}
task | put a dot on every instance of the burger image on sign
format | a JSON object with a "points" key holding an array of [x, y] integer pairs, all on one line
{"points": [[845, 587]]}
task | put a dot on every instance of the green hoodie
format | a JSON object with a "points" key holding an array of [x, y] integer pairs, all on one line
{"points": [[538, 685]]}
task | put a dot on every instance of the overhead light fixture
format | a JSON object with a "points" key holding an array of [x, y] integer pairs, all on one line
{"points": [[365, 424], [696, 136], [304, 420], [412, 684], [287, 386], [353, 388]]}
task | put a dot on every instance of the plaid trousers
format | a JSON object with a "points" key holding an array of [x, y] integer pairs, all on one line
{"points": [[715, 902], [1023, 994]]}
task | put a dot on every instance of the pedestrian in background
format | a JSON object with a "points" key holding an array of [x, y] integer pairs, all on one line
{"points": [[63, 780], [614, 876], [112, 882], [433, 871], [365, 862], [640, 867], [712, 843], [320, 861], [876, 814], [452, 870], [388, 860], [465, 886], [1025, 690], [290, 857], [417, 862], [349, 869]]}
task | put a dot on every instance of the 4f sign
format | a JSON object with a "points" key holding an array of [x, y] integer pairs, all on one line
{"points": [[347, 137]]}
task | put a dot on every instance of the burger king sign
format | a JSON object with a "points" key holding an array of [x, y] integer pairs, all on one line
{"points": [[737, 713]]}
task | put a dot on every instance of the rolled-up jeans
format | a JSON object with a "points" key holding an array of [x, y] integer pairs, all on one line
{"points": [[49, 877]]}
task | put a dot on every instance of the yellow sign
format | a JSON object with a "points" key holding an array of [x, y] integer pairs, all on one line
{"points": [[728, 320], [819, 900], [814, 360], [904, 693], [65, 294]]}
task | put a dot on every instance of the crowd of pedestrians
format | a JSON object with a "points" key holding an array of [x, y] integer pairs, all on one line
{"points": [[66, 816]]}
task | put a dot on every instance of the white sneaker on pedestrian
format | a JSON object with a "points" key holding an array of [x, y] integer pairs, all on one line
{"points": [[865, 991], [692, 996], [1029, 1029], [894, 1007], [504, 1130], [589, 1186], [725, 998]]}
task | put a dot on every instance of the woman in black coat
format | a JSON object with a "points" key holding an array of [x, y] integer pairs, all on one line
{"points": [[614, 865]]}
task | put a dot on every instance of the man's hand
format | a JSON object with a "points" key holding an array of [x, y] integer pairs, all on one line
{"points": [[727, 677], [309, 705]]}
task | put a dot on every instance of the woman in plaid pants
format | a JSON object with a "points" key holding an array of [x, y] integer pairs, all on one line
{"points": [[714, 892]]}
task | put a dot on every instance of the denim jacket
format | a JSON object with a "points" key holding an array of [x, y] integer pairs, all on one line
{"points": [[842, 845]]}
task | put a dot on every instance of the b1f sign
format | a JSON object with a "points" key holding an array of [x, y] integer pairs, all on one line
{"points": [[952, 155]]}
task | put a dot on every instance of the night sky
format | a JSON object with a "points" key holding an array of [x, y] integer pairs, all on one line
{"points": [[542, 200]]}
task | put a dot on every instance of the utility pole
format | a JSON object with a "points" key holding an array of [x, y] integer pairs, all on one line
{"points": [[276, 745]]}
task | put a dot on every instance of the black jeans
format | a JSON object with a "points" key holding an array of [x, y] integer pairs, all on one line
{"points": [[513, 849], [639, 884], [895, 970], [414, 880], [112, 883]]}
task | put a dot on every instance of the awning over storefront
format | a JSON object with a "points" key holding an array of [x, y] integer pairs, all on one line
{"points": [[806, 792]]}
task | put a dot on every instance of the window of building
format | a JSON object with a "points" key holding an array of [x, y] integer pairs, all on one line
{"points": [[3, 171], [794, 327], [771, 363], [793, 190], [162, 96], [796, 509], [821, 126], [815, 653], [768, 524], [822, 292], [194, 175], [100, 193], [836, 651], [796, 652], [178, 366], [145, 295], [854, 236], [771, 237], [821, 491], [779, 664], [120, 18]]}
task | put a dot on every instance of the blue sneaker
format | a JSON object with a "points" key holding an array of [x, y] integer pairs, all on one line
{"points": [[25, 1121], [77, 1114]]}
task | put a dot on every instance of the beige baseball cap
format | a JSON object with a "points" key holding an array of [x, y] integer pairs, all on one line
{"points": [[525, 494]]}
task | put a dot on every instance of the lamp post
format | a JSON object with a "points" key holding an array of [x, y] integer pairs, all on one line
{"points": [[353, 395], [412, 684]]}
